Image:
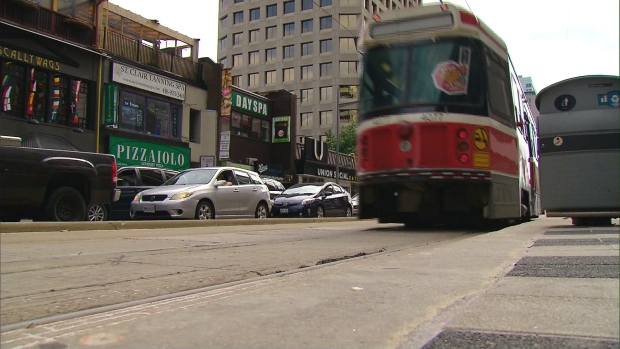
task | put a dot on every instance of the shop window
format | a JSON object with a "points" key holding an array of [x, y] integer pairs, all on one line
{"points": [[246, 126], [131, 116], [39, 96], [194, 125], [13, 89], [60, 100], [235, 123], [157, 117], [265, 130]]}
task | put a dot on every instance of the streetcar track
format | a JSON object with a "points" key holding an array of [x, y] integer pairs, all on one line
{"points": [[196, 278]]}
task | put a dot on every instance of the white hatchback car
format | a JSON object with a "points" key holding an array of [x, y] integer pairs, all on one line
{"points": [[204, 193]]}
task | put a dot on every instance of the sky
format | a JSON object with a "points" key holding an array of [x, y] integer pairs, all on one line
{"points": [[548, 40]]}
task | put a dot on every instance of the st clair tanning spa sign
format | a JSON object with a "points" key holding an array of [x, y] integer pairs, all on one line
{"points": [[148, 81], [129, 152]]}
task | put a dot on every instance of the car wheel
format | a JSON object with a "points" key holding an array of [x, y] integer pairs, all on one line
{"points": [[97, 213], [262, 211], [320, 212], [66, 204], [349, 211], [204, 210]]}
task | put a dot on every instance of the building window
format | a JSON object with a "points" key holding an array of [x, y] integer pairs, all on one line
{"points": [[306, 4], [270, 55], [348, 68], [194, 126], [223, 43], [272, 10], [223, 4], [326, 69], [305, 119], [289, 7], [348, 116], [254, 35], [237, 60], [326, 46], [307, 95], [149, 115], [224, 62], [223, 22], [270, 77], [289, 29], [306, 26], [237, 38], [250, 126], [306, 72], [238, 1], [254, 14], [253, 80], [288, 51], [326, 118], [348, 21], [306, 49], [326, 94], [238, 17], [236, 80], [271, 32], [326, 22], [348, 91], [288, 74], [326, 3], [253, 58], [347, 45]]}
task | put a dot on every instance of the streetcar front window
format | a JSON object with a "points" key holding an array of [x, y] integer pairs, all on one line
{"points": [[445, 75]]}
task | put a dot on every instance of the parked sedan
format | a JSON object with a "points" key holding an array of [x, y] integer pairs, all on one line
{"points": [[313, 200], [355, 202], [130, 181], [204, 193]]}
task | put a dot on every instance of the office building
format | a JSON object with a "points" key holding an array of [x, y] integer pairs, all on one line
{"points": [[307, 47]]}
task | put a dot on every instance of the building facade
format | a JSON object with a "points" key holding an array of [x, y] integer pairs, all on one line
{"points": [[530, 94], [49, 74], [307, 47]]}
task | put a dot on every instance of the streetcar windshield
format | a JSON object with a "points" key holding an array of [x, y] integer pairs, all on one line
{"points": [[441, 74]]}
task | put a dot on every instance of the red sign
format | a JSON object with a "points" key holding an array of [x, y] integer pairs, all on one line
{"points": [[451, 77]]}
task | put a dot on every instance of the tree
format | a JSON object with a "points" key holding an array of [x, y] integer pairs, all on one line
{"points": [[347, 141]]}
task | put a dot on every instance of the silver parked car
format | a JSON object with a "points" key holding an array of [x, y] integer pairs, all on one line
{"points": [[204, 193]]}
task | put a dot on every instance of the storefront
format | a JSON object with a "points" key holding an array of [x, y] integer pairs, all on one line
{"points": [[49, 87], [318, 164], [255, 131], [143, 114]]}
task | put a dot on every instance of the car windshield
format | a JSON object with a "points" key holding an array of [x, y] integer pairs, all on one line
{"points": [[303, 189], [192, 177]]}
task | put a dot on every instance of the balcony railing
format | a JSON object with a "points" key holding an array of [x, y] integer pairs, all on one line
{"points": [[30, 15], [134, 50]]}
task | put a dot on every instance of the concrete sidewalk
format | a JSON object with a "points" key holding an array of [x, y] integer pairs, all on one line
{"points": [[543, 284]]}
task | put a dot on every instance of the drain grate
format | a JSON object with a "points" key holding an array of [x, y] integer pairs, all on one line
{"points": [[450, 339], [568, 267]]}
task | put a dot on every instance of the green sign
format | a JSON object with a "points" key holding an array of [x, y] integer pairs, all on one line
{"points": [[111, 102], [249, 104], [281, 129], [129, 152]]}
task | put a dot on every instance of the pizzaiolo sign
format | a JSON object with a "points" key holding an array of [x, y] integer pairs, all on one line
{"points": [[130, 152]]}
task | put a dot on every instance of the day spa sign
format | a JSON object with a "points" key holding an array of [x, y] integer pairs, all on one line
{"points": [[129, 152]]}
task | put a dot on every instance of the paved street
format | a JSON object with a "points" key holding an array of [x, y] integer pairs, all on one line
{"points": [[539, 284]]}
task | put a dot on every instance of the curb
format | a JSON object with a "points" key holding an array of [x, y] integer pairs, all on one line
{"points": [[24, 227]]}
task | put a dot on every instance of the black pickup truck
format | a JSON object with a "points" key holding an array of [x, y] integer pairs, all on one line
{"points": [[53, 185]]}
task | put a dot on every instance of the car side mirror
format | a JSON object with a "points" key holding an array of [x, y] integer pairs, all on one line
{"points": [[219, 183]]}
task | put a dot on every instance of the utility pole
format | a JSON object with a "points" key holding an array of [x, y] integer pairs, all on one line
{"points": [[337, 133]]}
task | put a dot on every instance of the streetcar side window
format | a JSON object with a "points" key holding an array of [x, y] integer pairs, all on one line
{"points": [[499, 89]]}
